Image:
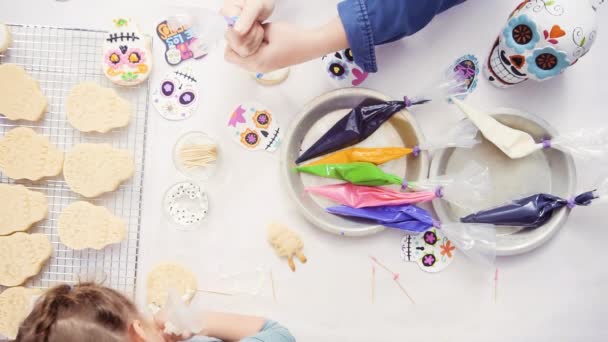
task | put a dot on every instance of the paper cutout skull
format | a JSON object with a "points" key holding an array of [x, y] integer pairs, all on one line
{"points": [[127, 54], [432, 251], [253, 126], [541, 40], [176, 96], [341, 67]]}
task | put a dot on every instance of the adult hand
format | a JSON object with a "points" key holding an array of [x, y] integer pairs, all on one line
{"points": [[247, 35]]}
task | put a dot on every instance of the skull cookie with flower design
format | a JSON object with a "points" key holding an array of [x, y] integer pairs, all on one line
{"points": [[254, 127], [341, 68], [432, 251], [176, 96], [127, 54], [541, 40]]}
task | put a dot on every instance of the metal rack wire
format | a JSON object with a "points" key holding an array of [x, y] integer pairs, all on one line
{"points": [[60, 58]]}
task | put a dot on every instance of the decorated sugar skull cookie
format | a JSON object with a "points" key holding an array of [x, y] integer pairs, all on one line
{"points": [[341, 68], [254, 127], [432, 251], [175, 97], [127, 56], [541, 39]]}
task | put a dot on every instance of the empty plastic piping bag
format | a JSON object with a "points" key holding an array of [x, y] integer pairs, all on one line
{"points": [[466, 189], [356, 173], [534, 211], [180, 317], [478, 241], [583, 143], [463, 136]]}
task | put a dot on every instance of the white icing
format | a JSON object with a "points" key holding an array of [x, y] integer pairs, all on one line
{"points": [[514, 143]]}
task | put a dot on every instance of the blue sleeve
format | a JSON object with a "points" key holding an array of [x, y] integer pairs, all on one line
{"points": [[374, 22], [271, 332]]}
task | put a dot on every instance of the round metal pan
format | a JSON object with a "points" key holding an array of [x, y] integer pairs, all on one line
{"points": [[315, 119], [547, 171]]}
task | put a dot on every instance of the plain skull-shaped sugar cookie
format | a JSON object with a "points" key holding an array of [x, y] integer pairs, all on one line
{"points": [[83, 225], [20, 208], [22, 256], [20, 94], [24, 154], [94, 169], [168, 277], [93, 108], [286, 243], [16, 303], [127, 54]]}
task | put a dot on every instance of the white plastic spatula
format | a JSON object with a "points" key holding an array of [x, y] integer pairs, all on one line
{"points": [[514, 143]]}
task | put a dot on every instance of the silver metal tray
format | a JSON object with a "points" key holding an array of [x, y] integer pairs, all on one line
{"points": [[549, 171], [315, 119]]}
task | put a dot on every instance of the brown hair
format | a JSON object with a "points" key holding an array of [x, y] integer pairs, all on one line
{"points": [[84, 312]]}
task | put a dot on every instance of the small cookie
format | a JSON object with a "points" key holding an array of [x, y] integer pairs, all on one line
{"points": [[341, 68], [166, 277], [20, 208], [20, 94], [255, 128], [16, 303], [176, 96], [93, 108], [286, 243], [5, 38], [22, 257], [127, 56], [24, 154], [83, 225], [94, 169], [271, 78]]}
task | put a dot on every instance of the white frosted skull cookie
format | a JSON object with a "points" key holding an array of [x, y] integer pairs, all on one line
{"points": [[20, 94], [94, 169], [83, 225], [341, 68], [176, 96], [254, 127], [20, 208], [127, 56], [93, 108], [24, 154]]}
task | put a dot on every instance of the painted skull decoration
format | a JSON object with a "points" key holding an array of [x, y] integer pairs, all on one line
{"points": [[432, 251], [253, 127], [176, 96], [341, 67], [127, 54], [541, 40]]}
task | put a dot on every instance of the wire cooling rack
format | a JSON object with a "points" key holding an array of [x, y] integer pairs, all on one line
{"points": [[60, 58]]}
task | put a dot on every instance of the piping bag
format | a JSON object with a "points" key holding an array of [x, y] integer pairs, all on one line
{"points": [[363, 120], [477, 241], [180, 318], [534, 211], [466, 189], [355, 173], [584, 143], [463, 136]]}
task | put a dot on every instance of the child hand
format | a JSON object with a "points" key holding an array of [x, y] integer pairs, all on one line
{"points": [[247, 34]]}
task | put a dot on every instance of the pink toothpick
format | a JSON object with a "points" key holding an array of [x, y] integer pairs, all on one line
{"points": [[496, 285], [373, 284], [395, 278]]}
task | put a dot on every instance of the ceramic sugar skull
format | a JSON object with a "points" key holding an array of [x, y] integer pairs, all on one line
{"points": [[127, 54], [432, 251], [176, 96], [341, 67], [541, 39], [253, 126]]}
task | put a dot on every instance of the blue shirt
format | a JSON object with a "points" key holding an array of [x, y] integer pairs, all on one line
{"points": [[374, 22]]}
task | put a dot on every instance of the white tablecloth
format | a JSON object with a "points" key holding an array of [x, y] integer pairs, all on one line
{"points": [[555, 293]]}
